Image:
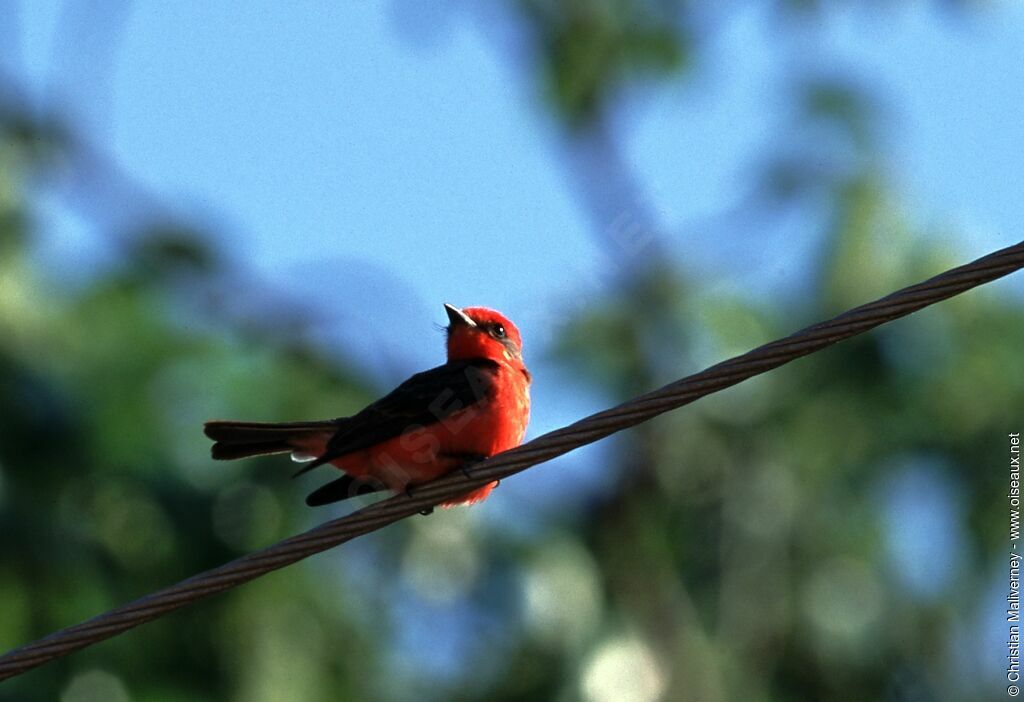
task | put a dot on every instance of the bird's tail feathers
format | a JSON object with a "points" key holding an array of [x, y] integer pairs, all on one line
{"points": [[244, 439]]}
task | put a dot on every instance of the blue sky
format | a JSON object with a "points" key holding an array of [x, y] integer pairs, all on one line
{"points": [[342, 146], [381, 158]]}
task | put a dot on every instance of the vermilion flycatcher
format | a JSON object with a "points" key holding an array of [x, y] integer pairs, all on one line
{"points": [[474, 406]]}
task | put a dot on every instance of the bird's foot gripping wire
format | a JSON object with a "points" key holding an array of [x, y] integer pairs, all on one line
{"points": [[467, 461], [467, 469], [410, 490]]}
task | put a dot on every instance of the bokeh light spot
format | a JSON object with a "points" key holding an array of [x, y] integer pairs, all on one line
{"points": [[442, 560], [622, 670], [95, 686], [843, 601], [561, 594]]}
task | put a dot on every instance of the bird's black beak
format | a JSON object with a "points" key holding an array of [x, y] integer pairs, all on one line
{"points": [[458, 317]]}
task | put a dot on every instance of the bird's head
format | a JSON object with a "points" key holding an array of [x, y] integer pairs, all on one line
{"points": [[479, 332]]}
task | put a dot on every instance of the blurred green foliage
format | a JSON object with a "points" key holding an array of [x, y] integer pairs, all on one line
{"points": [[589, 49], [749, 547]]}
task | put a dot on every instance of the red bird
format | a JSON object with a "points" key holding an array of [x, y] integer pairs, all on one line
{"points": [[474, 406]]}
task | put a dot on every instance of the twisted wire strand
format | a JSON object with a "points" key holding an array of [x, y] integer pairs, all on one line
{"points": [[544, 448]]}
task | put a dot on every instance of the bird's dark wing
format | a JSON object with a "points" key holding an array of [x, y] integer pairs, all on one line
{"points": [[424, 399]]}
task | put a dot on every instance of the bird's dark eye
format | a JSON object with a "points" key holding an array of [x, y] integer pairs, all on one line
{"points": [[498, 331]]}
